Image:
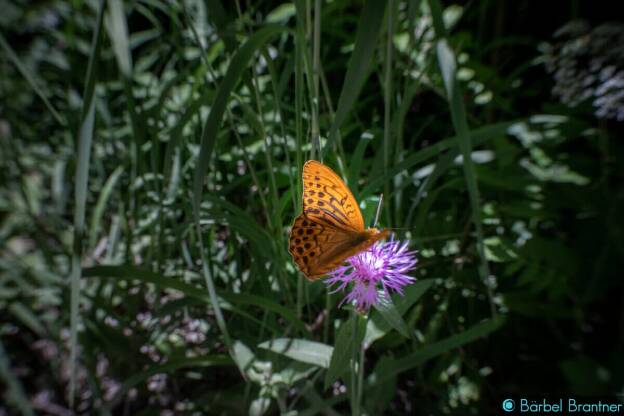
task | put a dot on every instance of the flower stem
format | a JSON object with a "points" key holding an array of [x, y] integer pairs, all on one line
{"points": [[357, 362], [328, 306], [355, 404], [360, 386]]}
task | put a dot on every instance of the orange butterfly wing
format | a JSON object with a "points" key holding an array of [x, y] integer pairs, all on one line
{"points": [[331, 228], [327, 199]]}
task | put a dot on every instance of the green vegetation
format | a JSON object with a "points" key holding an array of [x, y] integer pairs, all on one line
{"points": [[150, 162]]}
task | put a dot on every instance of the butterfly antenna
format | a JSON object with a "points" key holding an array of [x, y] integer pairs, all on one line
{"points": [[378, 213]]}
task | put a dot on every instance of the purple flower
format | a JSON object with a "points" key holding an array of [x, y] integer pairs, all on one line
{"points": [[385, 263]]}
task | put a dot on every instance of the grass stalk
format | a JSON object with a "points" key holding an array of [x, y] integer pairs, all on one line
{"points": [[30, 79], [448, 68], [369, 26], [275, 225], [355, 404], [360, 381], [299, 92], [357, 362], [316, 58], [83, 154], [387, 143]]}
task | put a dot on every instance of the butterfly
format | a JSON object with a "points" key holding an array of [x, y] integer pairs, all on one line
{"points": [[330, 228]]}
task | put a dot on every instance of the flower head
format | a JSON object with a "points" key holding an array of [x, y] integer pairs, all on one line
{"points": [[385, 264]]}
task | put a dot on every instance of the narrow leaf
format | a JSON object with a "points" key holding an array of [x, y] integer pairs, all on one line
{"points": [[82, 173], [309, 352], [390, 314], [480, 136], [378, 326], [100, 205], [345, 340], [209, 134], [427, 352], [448, 68], [29, 78], [118, 33], [131, 272], [27, 317], [85, 137], [358, 69]]}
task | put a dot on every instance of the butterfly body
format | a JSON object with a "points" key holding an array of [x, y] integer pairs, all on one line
{"points": [[330, 229]]}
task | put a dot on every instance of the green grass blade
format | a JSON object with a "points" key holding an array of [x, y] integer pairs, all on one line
{"points": [[176, 133], [368, 29], [236, 68], [428, 352], [379, 326], [388, 98], [390, 314], [343, 348], [208, 140], [29, 78], [265, 304], [321, 405], [118, 33], [300, 51], [316, 62], [27, 318], [237, 65], [481, 135], [131, 272], [309, 352], [82, 173], [100, 205], [85, 138], [355, 164], [448, 68], [217, 14], [89, 91]]}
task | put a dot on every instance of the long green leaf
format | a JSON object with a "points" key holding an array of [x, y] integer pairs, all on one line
{"points": [[358, 69], [131, 272], [82, 173], [29, 78], [448, 68], [321, 405], [85, 138], [310, 352], [208, 140], [118, 33], [390, 313], [98, 212], [264, 303], [237, 65], [175, 134], [355, 164], [343, 348], [379, 326], [481, 136], [27, 317], [427, 352], [217, 14]]}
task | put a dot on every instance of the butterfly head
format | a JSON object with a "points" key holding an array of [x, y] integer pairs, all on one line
{"points": [[377, 233]]}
